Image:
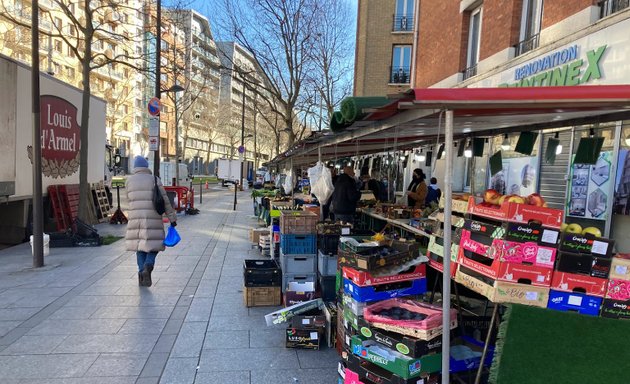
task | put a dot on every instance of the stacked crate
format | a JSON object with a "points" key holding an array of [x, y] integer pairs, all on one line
{"points": [[616, 304], [261, 280], [328, 235], [298, 248]]}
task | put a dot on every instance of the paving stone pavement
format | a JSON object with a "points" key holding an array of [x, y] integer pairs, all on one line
{"points": [[83, 319]]}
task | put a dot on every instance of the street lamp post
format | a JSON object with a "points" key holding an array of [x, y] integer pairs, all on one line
{"points": [[175, 89], [241, 148]]}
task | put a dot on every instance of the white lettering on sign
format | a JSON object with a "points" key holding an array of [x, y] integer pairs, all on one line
{"points": [[58, 120]]}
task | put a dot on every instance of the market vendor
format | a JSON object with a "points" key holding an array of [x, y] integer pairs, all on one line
{"points": [[417, 189]]}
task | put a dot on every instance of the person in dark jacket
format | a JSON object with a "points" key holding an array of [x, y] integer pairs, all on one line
{"points": [[433, 193], [345, 196]]}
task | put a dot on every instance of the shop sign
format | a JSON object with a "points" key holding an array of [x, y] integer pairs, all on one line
{"points": [[60, 137], [541, 72]]}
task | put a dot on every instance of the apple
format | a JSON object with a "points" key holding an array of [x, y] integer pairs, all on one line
{"points": [[503, 198], [592, 231], [574, 228], [489, 195], [535, 199], [516, 199], [563, 227]]}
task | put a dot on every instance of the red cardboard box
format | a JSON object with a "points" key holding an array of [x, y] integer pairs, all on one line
{"points": [[618, 290], [570, 282], [363, 278], [502, 271], [516, 213], [528, 253], [435, 262]]}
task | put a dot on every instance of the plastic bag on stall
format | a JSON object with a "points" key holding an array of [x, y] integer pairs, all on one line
{"points": [[323, 188], [288, 183], [315, 172]]}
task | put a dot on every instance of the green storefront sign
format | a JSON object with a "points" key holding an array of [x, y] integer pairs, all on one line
{"points": [[576, 72]]}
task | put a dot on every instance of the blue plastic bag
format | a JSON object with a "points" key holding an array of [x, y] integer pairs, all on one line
{"points": [[172, 237]]}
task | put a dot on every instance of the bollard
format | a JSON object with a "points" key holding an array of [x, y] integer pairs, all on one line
{"points": [[200, 192]]}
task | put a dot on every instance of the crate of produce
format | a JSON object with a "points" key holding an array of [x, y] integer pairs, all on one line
{"points": [[405, 272], [327, 287], [326, 264], [298, 263], [385, 291], [299, 278], [367, 372], [255, 233], [407, 345], [408, 317], [328, 228], [262, 296], [394, 361], [306, 332], [296, 244], [298, 222], [357, 243], [376, 258], [261, 273], [328, 244]]}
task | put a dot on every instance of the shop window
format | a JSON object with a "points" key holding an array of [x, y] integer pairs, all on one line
{"points": [[474, 40]]}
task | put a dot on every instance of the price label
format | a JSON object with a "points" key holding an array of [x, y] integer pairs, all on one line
{"points": [[621, 269], [575, 300], [549, 237], [531, 296], [599, 248], [345, 231], [544, 256], [306, 321], [540, 278], [314, 336]]}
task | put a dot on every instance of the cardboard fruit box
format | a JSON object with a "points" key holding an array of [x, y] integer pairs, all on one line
{"points": [[373, 259], [615, 309], [499, 270], [408, 317], [574, 302], [459, 206], [436, 262], [501, 291], [573, 282], [436, 245], [395, 362], [285, 314], [587, 245], [385, 291], [370, 372], [262, 296], [620, 267], [526, 233], [363, 278], [407, 345], [306, 332], [584, 264], [516, 213], [353, 305]]}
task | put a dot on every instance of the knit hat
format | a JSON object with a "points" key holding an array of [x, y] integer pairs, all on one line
{"points": [[140, 162]]}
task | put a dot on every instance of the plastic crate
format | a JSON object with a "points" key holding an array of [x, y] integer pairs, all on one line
{"points": [[262, 296], [326, 264], [261, 273], [299, 277], [298, 222], [327, 287], [345, 246], [328, 244], [298, 244], [298, 263]]}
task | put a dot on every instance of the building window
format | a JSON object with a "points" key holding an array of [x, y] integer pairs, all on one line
{"points": [[70, 52], [71, 72], [58, 23], [530, 26], [474, 39], [608, 7], [401, 64], [58, 46], [403, 18]]}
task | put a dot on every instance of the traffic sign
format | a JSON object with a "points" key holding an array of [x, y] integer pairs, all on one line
{"points": [[154, 126], [154, 106], [241, 149], [154, 143]]}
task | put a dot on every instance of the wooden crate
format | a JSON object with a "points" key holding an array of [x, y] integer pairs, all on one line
{"points": [[262, 296]]}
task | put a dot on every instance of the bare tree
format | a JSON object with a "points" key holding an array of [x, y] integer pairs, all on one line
{"points": [[279, 34], [85, 21]]}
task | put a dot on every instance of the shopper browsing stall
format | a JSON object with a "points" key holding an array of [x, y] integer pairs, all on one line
{"points": [[345, 197]]}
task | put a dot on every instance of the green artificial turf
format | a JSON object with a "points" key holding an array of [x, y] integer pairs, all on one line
{"points": [[539, 345], [109, 239]]}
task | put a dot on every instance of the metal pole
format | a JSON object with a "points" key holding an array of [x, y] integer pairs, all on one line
{"points": [[241, 155], [158, 48], [321, 206], [200, 191], [446, 276], [38, 206], [176, 143]]}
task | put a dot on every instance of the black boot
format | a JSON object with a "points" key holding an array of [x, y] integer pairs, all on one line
{"points": [[140, 278], [146, 275]]}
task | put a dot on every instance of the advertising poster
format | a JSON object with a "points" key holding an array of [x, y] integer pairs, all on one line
{"points": [[518, 177], [588, 191], [622, 184]]}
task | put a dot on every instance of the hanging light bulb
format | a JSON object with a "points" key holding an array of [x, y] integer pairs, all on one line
{"points": [[402, 156], [506, 143], [559, 147], [468, 152]]}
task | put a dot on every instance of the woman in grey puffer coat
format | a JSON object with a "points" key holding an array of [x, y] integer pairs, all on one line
{"points": [[145, 229]]}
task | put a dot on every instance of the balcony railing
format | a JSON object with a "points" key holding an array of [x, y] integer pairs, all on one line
{"points": [[608, 7], [402, 23], [470, 72], [399, 75], [527, 45]]}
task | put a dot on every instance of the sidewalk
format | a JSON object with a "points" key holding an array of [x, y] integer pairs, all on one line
{"points": [[83, 319]]}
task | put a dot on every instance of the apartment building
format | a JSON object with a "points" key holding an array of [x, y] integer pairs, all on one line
{"points": [[115, 37], [384, 46], [259, 138]]}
